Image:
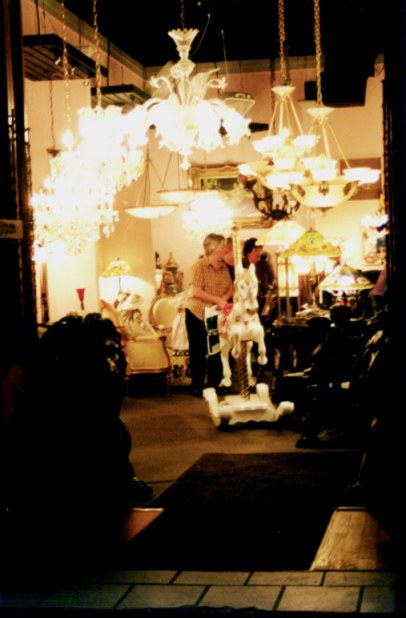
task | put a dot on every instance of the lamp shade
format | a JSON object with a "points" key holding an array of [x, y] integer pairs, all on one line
{"points": [[345, 278], [312, 244], [117, 268]]}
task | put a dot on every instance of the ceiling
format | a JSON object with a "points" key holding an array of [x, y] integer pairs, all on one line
{"points": [[236, 29], [351, 33]]}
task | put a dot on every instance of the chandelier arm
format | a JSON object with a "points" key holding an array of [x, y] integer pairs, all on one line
{"points": [[188, 119], [296, 116], [338, 145], [325, 141]]}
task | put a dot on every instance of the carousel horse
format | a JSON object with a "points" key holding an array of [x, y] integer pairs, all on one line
{"points": [[239, 322]]}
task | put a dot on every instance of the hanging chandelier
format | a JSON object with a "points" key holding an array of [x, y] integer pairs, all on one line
{"points": [[271, 205], [185, 120], [75, 205], [65, 209], [111, 153], [302, 165], [206, 213], [146, 207], [285, 142], [323, 181]]}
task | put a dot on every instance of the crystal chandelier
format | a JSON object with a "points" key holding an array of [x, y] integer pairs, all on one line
{"points": [[111, 152], [206, 213], [75, 205], [65, 209], [185, 120]]}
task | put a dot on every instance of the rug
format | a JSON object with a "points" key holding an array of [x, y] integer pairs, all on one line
{"points": [[245, 512]]}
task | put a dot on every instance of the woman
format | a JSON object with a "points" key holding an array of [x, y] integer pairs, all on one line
{"points": [[210, 286]]}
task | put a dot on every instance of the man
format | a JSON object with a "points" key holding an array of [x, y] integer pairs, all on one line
{"points": [[253, 253]]}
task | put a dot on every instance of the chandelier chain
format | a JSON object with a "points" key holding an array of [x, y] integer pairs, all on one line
{"points": [[282, 40], [52, 113], [97, 46], [65, 66], [317, 40], [182, 14], [272, 85]]}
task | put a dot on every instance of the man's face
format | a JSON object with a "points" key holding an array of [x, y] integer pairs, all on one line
{"points": [[255, 255]]}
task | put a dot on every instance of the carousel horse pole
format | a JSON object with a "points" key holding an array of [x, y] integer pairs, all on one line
{"points": [[242, 359], [243, 372]]}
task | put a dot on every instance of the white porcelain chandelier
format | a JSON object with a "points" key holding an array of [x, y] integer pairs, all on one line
{"points": [[311, 168], [285, 142], [185, 120]]}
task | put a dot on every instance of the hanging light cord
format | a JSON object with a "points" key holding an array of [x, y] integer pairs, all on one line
{"points": [[282, 41], [51, 111], [317, 40], [65, 67], [97, 46]]}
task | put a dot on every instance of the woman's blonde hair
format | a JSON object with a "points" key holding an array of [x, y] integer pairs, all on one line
{"points": [[212, 242]]}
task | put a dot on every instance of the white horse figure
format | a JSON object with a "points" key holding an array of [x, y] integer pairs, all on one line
{"points": [[239, 322]]}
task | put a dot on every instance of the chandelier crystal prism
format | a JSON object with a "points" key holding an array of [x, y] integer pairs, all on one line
{"points": [[185, 120]]}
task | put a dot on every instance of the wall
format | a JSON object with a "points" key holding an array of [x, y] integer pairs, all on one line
{"points": [[46, 109]]}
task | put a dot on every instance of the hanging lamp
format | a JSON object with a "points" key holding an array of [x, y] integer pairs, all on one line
{"points": [[185, 120], [76, 203], [146, 207], [282, 148], [326, 181]]}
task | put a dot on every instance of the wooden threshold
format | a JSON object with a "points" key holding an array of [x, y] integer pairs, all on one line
{"points": [[354, 541], [136, 520]]}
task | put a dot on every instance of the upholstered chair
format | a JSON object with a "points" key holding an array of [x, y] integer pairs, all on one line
{"points": [[145, 347]]}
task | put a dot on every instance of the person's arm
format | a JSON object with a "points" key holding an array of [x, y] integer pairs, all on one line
{"points": [[219, 301]]}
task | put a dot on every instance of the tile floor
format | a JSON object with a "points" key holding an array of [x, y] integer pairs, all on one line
{"points": [[363, 592]]}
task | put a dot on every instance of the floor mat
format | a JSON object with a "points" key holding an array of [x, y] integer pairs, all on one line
{"points": [[245, 512]]}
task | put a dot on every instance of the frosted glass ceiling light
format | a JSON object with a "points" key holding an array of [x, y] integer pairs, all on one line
{"points": [[285, 143], [146, 207], [327, 181]]}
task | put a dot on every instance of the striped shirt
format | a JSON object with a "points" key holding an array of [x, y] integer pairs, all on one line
{"points": [[216, 282]]}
